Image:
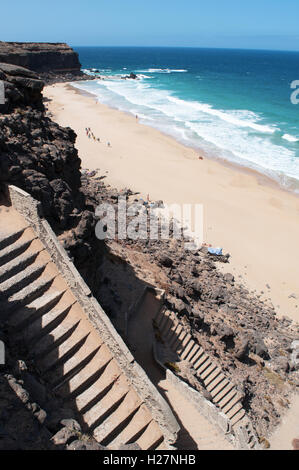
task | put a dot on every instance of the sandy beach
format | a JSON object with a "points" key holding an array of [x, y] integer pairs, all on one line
{"points": [[248, 216]]}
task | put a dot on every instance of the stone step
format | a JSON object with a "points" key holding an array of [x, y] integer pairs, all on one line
{"points": [[217, 381], [193, 351], [44, 324], [26, 295], [9, 239], [228, 400], [188, 348], [204, 375], [134, 428], [204, 365], [161, 446], [226, 407], [20, 318], [177, 344], [67, 345], [88, 398], [159, 317], [214, 390], [17, 264], [59, 380], [118, 420], [184, 343], [59, 334], [21, 280], [167, 327], [236, 409], [237, 417], [194, 358], [151, 437], [74, 364], [213, 377], [201, 360], [173, 334], [108, 404], [16, 249], [80, 382], [178, 331], [223, 389], [164, 322]]}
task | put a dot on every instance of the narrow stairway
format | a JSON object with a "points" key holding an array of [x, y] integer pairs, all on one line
{"points": [[41, 313]]}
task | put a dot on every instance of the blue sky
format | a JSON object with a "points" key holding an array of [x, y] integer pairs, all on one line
{"points": [[256, 24]]}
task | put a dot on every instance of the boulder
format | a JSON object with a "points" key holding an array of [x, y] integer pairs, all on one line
{"points": [[85, 445], [165, 261], [64, 436]]}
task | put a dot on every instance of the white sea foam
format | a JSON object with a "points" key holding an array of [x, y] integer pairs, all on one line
{"points": [[140, 75], [235, 135], [163, 71], [290, 138]]}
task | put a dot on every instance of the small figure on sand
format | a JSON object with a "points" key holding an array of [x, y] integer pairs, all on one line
{"points": [[108, 143], [295, 444]]}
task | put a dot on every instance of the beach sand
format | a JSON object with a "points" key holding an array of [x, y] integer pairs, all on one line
{"points": [[246, 214]]}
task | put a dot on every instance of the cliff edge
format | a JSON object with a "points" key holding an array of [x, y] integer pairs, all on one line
{"points": [[40, 57]]}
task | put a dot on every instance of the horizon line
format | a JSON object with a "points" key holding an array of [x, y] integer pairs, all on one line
{"points": [[190, 47]]}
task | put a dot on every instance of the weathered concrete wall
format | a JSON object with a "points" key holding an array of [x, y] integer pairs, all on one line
{"points": [[161, 412]]}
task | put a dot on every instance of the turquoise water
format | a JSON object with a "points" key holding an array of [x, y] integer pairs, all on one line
{"points": [[232, 104]]}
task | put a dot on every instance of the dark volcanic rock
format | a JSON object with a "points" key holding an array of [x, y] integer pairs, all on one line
{"points": [[82, 445], [22, 87], [166, 261], [41, 57], [39, 156]]}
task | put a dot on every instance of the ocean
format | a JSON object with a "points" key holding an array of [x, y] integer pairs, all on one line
{"points": [[230, 104]]}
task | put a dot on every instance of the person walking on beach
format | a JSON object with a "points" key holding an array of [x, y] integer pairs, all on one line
{"points": [[108, 143]]}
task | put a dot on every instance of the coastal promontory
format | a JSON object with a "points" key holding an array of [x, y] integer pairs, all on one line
{"points": [[40, 57]]}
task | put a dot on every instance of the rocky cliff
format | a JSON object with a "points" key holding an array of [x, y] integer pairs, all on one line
{"points": [[39, 156], [40, 57]]}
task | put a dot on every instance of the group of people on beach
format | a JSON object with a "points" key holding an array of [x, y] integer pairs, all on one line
{"points": [[91, 135]]}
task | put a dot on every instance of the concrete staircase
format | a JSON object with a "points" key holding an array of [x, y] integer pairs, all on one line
{"points": [[222, 390], [42, 313]]}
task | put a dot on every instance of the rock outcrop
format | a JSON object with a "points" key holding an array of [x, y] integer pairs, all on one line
{"points": [[40, 57], [39, 156]]}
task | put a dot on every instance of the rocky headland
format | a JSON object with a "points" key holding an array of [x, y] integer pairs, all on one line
{"points": [[40, 57], [55, 62]]}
